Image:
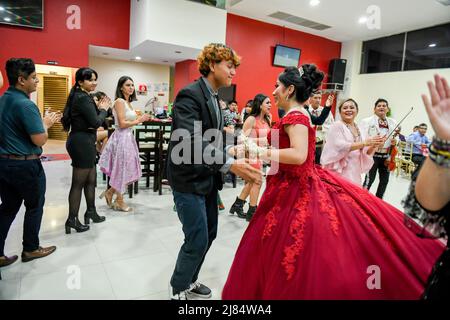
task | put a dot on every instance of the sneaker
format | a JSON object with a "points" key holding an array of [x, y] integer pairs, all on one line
{"points": [[182, 295], [199, 290]]}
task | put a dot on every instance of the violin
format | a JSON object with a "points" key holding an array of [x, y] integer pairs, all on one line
{"points": [[390, 161]]}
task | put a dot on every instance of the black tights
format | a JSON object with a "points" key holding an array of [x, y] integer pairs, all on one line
{"points": [[82, 179]]}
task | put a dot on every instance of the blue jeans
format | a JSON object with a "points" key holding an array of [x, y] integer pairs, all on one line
{"points": [[199, 215], [22, 181]]}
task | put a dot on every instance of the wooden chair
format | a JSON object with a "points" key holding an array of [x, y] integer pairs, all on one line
{"points": [[403, 160], [150, 145]]}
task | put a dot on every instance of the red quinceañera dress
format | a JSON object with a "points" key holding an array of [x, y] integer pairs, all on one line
{"points": [[316, 235]]}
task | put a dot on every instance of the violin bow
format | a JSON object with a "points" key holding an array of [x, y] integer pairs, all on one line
{"points": [[398, 125]]}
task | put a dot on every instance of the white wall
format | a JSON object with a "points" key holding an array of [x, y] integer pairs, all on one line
{"points": [[177, 22], [401, 89], [109, 71]]}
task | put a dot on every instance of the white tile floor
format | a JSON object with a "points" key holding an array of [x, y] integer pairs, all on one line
{"points": [[131, 255]]}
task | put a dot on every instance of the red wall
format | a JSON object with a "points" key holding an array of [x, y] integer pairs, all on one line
{"points": [[254, 41], [103, 23], [185, 72]]}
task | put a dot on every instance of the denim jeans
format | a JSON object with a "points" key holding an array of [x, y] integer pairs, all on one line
{"points": [[22, 181], [198, 215]]}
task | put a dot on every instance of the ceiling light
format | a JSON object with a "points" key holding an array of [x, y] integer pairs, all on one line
{"points": [[432, 45], [314, 3], [7, 19], [2, 9], [362, 20], [138, 58]]}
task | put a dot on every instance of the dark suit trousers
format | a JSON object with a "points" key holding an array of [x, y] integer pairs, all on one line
{"points": [[22, 181], [198, 215], [379, 166]]}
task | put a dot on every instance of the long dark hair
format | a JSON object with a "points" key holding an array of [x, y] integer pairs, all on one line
{"points": [[256, 107], [305, 84], [82, 74], [119, 93]]}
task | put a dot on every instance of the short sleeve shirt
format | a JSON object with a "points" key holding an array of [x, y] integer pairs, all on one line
{"points": [[19, 118]]}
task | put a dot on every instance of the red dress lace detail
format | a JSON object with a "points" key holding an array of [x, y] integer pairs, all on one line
{"points": [[287, 173], [296, 230], [271, 219], [327, 207]]}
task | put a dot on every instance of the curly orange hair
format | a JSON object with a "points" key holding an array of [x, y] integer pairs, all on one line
{"points": [[216, 52]]}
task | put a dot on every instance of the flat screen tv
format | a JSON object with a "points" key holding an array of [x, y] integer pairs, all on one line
{"points": [[25, 13], [286, 56]]}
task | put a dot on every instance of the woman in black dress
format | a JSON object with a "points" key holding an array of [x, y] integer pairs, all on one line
{"points": [[81, 119]]}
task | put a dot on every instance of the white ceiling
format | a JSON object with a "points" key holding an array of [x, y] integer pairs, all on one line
{"points": [[149, 51], [342, 15]]}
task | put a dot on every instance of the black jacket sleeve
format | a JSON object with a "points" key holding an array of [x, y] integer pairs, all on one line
{"points": [[320, 119], [88, 110]]}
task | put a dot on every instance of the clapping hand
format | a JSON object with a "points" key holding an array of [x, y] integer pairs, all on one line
{"points": [[104, 103], [376, 141], [50, 118], [438, 109]]}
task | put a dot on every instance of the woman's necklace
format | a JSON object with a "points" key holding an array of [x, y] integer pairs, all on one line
{"points": [[357, 137]]}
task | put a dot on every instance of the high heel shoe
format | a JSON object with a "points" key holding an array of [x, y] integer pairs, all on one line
{"points": [[108, 197], [120, 205], [238, 208], [93, 215], [74, 223]]}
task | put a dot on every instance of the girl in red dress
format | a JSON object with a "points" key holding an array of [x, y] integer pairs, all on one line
{"points": [[316, 235]]}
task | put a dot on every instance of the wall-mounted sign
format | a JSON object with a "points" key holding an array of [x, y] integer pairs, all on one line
{"points": [[142, 90]]}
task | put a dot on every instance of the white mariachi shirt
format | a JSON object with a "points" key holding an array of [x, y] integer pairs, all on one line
{"points": [[371, 127], [321, 131]]}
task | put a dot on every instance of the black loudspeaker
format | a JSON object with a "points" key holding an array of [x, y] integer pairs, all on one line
{"points": [[227, 94], [336, 74]]}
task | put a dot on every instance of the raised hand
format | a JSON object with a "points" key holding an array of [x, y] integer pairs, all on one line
{"points": [[330, 100], [438, 109]]}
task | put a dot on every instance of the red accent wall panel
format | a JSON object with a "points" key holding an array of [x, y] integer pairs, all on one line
{"points": [[255, 41], [103, 23], [185, 72]]}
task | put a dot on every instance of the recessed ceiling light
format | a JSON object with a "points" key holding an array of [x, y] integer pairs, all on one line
{"points": [[362, 20], [432, 45], [177, 51], [314, 3], [138, 58], [7, 19]]}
